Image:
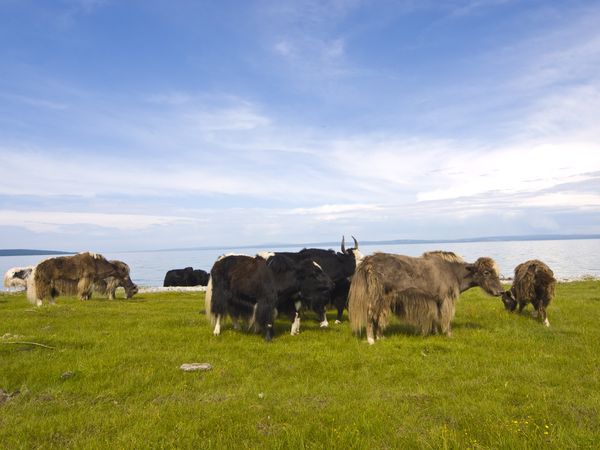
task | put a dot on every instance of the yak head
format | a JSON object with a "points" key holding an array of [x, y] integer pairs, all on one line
{"points": [[509, 300], [484, 273], [315, 284], [354, 251], [130, 288]]}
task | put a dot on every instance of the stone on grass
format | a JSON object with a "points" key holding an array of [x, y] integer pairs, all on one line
{"points": [[192, 367]]}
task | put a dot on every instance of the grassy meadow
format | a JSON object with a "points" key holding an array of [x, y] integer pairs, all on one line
{"points": [[112, 378]]}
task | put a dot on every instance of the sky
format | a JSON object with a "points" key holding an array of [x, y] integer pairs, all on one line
{"points": [[132, 125]]}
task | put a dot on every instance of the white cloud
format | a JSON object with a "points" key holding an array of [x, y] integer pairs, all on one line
{"points": [[44, 221]]}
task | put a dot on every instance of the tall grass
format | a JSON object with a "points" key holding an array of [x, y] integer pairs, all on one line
{"points": [[502, 381]]}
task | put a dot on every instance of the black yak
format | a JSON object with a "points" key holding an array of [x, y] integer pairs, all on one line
{"points": [[252, 288]]}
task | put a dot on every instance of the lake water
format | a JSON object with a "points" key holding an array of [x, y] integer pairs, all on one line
{"points": [[569, 259]]}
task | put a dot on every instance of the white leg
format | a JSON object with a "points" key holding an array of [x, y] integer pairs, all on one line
{"points": [[217, 330], [296, 325], [337, 322], [547, 322], [324, 324]]}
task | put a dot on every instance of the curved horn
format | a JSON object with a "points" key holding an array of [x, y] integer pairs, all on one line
{"points": [[355, 243], [343, 245]]}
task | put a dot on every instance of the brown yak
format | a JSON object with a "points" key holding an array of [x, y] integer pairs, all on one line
{"points": [[105, 287], [422, 290], [534, 283], [65, 275]]}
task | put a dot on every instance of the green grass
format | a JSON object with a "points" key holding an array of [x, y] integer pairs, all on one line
{"points": [[502, 381]]}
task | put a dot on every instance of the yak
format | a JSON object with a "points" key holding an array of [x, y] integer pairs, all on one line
{"points": [[338, 266], [186, 277], [533, 283], [17, 277], [422, 290], [253, 288], [66, 275]]}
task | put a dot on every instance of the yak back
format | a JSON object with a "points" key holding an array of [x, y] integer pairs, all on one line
{"points": [[75, 267], [417, 276], [243, 277], [533, 279]]}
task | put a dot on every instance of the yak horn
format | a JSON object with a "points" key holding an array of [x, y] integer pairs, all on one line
{"points": [[355, 243], [343, 245]]}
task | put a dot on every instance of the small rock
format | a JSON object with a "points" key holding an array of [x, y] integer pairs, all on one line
{"points": [[67, 375], [6, 396], [191, 367]]}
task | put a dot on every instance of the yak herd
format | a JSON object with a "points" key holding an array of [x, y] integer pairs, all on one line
{"points": [[254, 289]]}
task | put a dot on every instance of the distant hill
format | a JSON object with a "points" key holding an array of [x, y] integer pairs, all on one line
{"points": [[28, 252], [349, 243]]}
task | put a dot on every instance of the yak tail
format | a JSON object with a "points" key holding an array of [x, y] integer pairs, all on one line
{"points": [[31, 288], [208, 302], [366, 297]]}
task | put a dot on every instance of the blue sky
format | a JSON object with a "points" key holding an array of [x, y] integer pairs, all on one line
{"points": [[149, 124]]}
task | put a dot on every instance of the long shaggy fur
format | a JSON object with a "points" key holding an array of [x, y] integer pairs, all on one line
{"points": [[17, 277], [422, 291], [65, 274], [533, 283]]}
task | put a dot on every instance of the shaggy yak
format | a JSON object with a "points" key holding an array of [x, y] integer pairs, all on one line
{"points": [[67, 275], [533, 283], [423, 290], [17, 277]]}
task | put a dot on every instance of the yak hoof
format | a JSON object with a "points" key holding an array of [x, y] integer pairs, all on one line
{"points": [[370, 340], [337, 322], [547, 323], [324, 324]]}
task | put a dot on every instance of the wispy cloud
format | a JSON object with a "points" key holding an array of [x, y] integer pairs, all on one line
{"points": [[44, 221]]}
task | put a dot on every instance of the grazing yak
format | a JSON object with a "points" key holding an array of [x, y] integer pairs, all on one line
{"points": [[533, 283], [252, 288], [67, 275], [186, 277], [108, 286], [421, 290], [17, 277], [339, 267]]}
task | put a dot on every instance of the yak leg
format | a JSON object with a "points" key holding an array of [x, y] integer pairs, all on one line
{"points": [[370, 332], [217, 330], [374, 330], [84, 288], [543, 316], [235, 322], [340, 304], [296, 324], [324, 323]]}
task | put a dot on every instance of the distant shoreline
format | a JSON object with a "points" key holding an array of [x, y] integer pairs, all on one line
{"points": [[30, 252], [518, 238]]}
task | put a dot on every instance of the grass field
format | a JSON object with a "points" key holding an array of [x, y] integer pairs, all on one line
{"points": [[501, 381]]}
